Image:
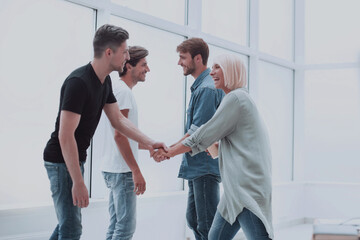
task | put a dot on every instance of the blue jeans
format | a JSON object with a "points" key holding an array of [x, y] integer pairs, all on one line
{"points": [[252, 226], [203, 199], [69, 216], [122, 205]]}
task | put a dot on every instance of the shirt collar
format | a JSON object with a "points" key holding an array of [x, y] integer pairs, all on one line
{"points": [[199, 79]]}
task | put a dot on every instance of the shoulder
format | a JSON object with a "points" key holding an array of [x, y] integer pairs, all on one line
{"points": [[121, 90], [208, 82], [80, 72]]}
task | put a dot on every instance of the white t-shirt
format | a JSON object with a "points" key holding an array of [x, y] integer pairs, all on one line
{"points": [[112, 160]]}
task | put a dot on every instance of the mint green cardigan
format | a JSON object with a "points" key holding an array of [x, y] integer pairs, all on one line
{"points": [[244, 157]]}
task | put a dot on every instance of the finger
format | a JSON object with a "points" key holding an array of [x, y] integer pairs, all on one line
{"points": [[74, 200], [86, 202], [152, 152]]}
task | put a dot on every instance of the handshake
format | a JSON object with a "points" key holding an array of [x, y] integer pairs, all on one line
{"points": [[162, 154]]}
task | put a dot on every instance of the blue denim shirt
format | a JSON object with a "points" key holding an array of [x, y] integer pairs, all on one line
{"points": [[204, 101]]}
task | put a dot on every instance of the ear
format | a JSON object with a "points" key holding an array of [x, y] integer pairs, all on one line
{"points": [[198, 58], [108, 51], [128, 66]]}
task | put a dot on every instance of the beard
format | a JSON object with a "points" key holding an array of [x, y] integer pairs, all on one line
{"points": [[189, 69]]}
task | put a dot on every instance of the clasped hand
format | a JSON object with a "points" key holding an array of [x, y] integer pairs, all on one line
{"points": [[161, 155]]}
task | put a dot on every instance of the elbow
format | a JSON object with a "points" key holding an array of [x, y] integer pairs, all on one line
{"points": [[118, 136]]}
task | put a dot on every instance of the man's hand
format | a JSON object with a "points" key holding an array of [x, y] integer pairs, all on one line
{"points": [[160, 155], [80, 195], [139, 183], [160, 145]]}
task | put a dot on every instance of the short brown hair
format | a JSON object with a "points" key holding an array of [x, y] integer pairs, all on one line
{"points": [[136, 54], [195, 46], [108, 36]]}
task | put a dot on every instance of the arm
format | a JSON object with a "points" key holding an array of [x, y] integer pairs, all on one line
{"points": [[127, 128], [174, 150], [68, 124], [219, 126], [123, 145]]}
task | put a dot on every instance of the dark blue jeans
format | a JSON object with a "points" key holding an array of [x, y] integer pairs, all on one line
{"points": [[252, 226], [203, 199], [69, 216]]}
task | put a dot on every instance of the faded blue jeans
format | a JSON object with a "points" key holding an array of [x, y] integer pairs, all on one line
{"points": [[69, 216], [203, 199], [252, 226], [122, 206]]}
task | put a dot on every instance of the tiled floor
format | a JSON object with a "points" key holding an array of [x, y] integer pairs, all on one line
{"points": [[297, 232]]}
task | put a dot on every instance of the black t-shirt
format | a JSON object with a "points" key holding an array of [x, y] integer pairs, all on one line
{"points": [[82, 93]]}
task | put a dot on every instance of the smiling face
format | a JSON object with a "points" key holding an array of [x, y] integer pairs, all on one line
{"points": [[138, 73], [187, 63], [218, 76]]}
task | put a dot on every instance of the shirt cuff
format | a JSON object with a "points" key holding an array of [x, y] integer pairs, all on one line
{"points": [[192, 129], [190, 142]]}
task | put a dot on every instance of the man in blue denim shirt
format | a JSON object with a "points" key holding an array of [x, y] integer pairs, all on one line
{"points": [[201, 171]]}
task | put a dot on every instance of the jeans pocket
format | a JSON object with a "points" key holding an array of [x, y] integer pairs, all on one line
{"points": [[129, 183], [53, 175]]}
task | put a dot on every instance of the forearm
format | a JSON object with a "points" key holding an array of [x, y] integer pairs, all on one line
{"points": [[177, 149], [123, 145], [127, 128], [71, 156]]}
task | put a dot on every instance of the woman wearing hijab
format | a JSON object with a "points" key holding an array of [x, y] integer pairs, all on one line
{"points": [[244, 156]]}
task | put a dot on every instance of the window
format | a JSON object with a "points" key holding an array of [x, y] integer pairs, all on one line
{"points": [[276, 28], [226, 19], [275, 103], [332, 131], [36, 57], [175, 9], [331, 31]]}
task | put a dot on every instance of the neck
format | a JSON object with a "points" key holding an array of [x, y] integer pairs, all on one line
{"points": [[128, 80], [101, 68], [198, 71]]}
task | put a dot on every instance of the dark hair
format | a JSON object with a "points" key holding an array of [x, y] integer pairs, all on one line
{"points": [[136, 54], [195, 46], [108, 36]]}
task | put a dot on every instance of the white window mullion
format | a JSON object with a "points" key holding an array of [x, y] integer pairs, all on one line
{"points": [[299, 101], [253, 43]]}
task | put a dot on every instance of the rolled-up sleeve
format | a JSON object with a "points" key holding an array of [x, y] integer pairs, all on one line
{"points": [[219, 126]]}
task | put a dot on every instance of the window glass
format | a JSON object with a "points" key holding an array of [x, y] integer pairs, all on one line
{"points": [[175, 9], [226, 19], [276, 28], [331, 31], [332, 131], [275, 103], [42, 42]]}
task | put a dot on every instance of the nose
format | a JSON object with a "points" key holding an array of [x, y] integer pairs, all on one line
{"points": [[147, 69], [179, 62], [212, 73], [127, 56]]}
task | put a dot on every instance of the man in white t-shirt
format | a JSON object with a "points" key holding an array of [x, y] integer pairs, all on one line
{"points": [[120, 169]]}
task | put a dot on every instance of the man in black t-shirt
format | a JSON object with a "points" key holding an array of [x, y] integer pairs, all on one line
{"points": [[85, 93]]}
